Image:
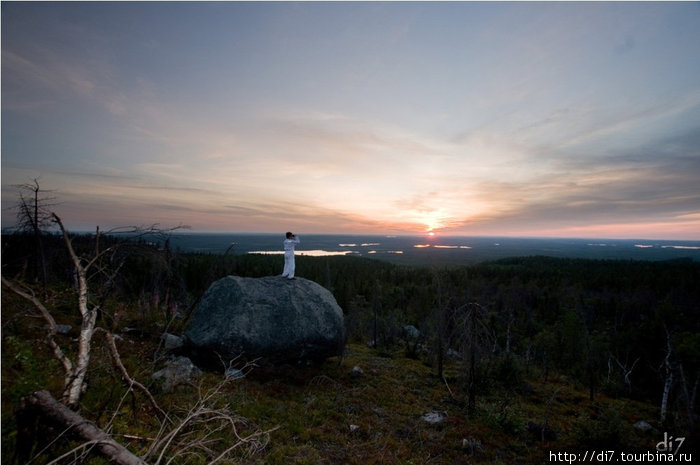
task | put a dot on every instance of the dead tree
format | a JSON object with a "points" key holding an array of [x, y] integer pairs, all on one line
{"points": [[41, 403], [470, 319], [442, 327], [688, 398], [88, 313], [76, 369], [667, 369], [33, 217], [625, 371], [376, 308]]}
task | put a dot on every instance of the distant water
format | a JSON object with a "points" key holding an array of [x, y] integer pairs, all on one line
{"points": [[437, 249]]}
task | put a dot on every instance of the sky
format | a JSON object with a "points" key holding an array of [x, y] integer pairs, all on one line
{"points": [[554, 119]]}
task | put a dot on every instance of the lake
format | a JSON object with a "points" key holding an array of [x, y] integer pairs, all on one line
{"points": [[436, 249]]}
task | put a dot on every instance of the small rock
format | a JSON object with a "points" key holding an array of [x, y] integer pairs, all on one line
{"points": [[434, 417], [357, 371], [177, 371], [474, 445], [410, 332], [354, 428], [643, 426], [171, 341]]}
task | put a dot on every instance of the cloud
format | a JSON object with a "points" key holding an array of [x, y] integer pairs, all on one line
{"points": [[455, 117], [597, 198], [625, 121], [50, 73]]}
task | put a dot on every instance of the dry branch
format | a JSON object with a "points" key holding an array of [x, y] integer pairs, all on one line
{"points": [[125, 374], [43, 403], [57, 351]]}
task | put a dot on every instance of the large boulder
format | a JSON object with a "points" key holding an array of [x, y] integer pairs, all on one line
{"points": [[272, 318]]}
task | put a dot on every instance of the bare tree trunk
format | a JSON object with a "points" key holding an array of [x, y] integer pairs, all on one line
{"points": [[74, 388], [471, 402], [664, 398], [693, 396], [687, 396], [668, 383], [33, 215], [441, 330], [508, 335], [626, 372], [589, 353], [38, 246], [440, 356], [375, 311], [472, 336], [58, 414]]}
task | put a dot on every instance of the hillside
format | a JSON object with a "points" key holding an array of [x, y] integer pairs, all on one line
{"points": [[370, 408], [332, 414], [517, 359]]}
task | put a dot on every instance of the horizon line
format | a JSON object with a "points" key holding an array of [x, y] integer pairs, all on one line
{"points": [[426, 235]]}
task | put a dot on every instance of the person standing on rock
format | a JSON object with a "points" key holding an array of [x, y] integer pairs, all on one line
{"points": [[289, 266]]}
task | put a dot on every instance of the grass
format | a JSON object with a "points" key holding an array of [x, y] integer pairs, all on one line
{"points": [[329, 414]]}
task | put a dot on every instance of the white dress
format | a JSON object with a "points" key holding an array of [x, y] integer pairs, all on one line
{"points": [[289, 244]]}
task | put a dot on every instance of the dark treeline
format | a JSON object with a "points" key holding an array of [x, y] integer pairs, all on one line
{"points": [[623, 328]]}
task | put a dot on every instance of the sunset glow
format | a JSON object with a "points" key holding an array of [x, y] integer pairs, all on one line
{"points": [[568, 119]]}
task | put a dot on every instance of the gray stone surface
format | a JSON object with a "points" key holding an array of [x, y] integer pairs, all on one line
{"points": [[177, 371], [273, 318], [171, 341]]}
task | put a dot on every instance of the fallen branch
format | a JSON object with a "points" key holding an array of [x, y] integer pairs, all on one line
{"points": [[53, 328], [43, 403], [125, 374]]}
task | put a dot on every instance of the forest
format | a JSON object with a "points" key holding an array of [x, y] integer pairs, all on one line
{"points": [[537, 353]]}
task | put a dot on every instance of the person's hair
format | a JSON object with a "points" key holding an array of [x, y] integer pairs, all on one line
{"points": [[289, 235]]}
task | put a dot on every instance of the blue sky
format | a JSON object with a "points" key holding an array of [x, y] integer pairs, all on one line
{"points": [[533, 119]]}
